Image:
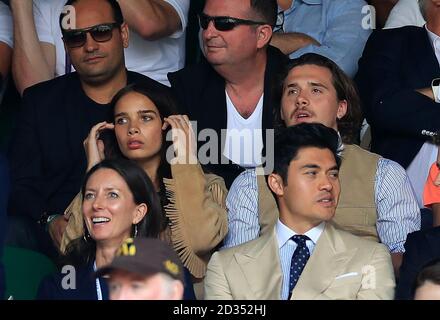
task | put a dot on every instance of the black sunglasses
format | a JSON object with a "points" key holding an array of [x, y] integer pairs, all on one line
{"points": [[225, 23], [100, 33], [279, 26]]}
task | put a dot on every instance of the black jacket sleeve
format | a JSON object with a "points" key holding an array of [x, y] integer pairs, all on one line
{"points": [[413, 259], [28, 195], [388, 77]]}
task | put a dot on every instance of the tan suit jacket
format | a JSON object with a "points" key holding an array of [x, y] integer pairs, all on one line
{"points": [[342, 266]]}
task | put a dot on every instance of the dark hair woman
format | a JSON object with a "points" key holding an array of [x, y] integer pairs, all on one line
{"points": [[119, 202], [194, 219]]}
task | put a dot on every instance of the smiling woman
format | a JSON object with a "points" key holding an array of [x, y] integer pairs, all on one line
{"points": [[117, 195], [119, 202]]}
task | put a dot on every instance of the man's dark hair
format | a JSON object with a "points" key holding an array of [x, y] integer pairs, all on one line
{"points": [[429, 273], [117, 12], [349, 125], [267, 10], [289, 141]]}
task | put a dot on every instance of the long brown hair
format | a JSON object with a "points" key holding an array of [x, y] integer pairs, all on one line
{"points": [[349, 125]]}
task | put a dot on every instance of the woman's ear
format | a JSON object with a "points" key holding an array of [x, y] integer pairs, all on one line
{"points": [[141, 211]]}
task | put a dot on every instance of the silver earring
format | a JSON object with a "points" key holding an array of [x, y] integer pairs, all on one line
{"points": [[86, 236], [135, 230]]}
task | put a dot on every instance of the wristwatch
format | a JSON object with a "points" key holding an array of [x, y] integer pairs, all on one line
{"points": [[435, 84], [46, 219]]}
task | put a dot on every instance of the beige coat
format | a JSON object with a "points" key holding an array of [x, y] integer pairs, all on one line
{"points": [[342, 266], [196, 210]]}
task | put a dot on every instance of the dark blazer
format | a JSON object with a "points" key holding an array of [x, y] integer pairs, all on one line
{"points": [[51, 287], [200, 91], [421, 247], [394, 64], [47, 157], [4, 191]]}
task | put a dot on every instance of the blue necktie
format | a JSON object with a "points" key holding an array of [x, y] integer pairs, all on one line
{"points": [[299, 260]]}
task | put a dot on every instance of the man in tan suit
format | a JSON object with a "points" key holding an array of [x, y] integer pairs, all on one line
{"points": [[277, 265]]}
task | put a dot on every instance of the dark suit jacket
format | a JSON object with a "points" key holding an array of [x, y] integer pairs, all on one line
{"points": [[51, 287], [394, 64], [47, 157], [85, 286], [4, 191], [200, 91], [421, 247]]}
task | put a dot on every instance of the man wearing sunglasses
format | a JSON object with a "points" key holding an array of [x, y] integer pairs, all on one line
{"points": [[230, 92], [157, 39], [47, 157]]}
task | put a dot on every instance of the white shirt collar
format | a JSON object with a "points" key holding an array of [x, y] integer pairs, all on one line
{"points": [[432, 37], [312, 2], [340, 145], [284, 233]]}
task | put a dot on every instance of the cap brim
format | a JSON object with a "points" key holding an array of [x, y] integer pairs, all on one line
{"points": [[128, 266]]}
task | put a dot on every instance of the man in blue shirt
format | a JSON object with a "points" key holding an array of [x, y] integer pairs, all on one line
{"points": [[332, 28]]}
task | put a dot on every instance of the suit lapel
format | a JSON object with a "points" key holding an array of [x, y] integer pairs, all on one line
{"points": [[267, 207], [424, 58], [261, 268], [432, 242], [326, 262], [74, 116], [214, 100], [275, 62]]}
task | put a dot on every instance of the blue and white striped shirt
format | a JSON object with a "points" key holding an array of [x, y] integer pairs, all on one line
{"points": [[287, 247], [397, 211]]}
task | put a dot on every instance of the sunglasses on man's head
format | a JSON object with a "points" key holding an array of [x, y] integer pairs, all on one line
{"points": [[225, 23], [100, 33]]}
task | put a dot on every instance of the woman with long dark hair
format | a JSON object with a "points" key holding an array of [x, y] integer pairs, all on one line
{"points": [[194, 218], [119, 202]]}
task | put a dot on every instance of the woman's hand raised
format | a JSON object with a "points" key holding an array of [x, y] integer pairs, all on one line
{"points": [[93, 146], [184, 142]]}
